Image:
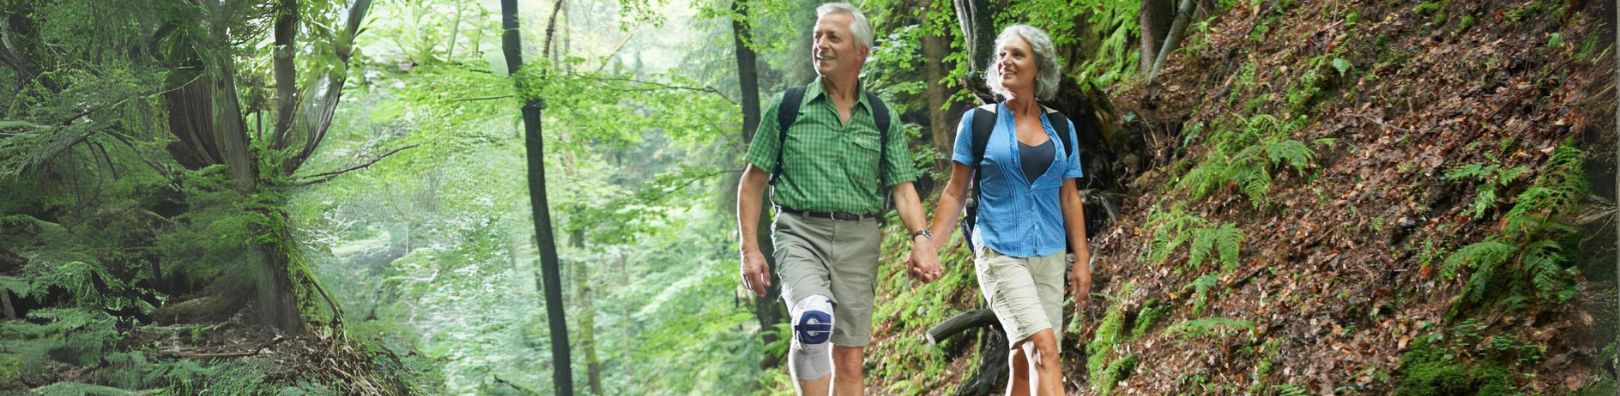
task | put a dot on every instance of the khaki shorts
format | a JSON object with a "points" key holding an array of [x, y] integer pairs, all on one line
{"points": [[833, 258], [1025, 293]]}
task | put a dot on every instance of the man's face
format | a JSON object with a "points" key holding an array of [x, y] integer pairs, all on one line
{"points": [[834, 50]]}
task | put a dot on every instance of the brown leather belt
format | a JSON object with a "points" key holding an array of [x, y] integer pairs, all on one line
{"points": [[845, 216]]}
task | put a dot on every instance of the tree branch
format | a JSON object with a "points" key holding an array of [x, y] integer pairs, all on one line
{"points": [[326, 176], [712, 90]]}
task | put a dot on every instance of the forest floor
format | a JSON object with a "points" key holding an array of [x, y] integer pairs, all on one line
{"points": [[1428, 128]]}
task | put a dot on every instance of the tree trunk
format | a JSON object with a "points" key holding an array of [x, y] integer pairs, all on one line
{"points": [[1177, 31], [587, 325], [587, 316], [455, 30], [1616, 27], [747, 68], [1154, 19], [974, 18], [767, 309], [551, 274], [936, 46], [625, 321]]}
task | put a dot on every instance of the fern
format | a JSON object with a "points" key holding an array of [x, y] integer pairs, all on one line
{"points": [[1224, 240], [1246, 156], [1290, 152], [1170, 230], [1486, 252], [1490, 177], [1201, 288], [1544, 261]]}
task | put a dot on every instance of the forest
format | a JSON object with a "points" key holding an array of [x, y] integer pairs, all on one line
{"points": [[513, 197]]}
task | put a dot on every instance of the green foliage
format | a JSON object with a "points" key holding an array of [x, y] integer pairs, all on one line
{"points": [[1435, 10], [1226, 238], [1427, 369], [1244, 157], [1204, 327], [1292, 390], [1170, 230], [1177, 227], [1146, 317], [1110, 332], [1114, 22], [1117, 370], [1528, 259], [1201, 288], [55, 338], [1491, 177]]}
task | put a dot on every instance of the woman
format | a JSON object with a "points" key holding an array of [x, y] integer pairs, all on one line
{"points": [[1029, 208]]}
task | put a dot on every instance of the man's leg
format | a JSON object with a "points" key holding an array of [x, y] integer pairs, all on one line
{"points": [[848, 378], [810, 360], [805, 289]]}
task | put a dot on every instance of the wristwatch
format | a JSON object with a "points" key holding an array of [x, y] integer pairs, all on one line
{"points": [[923, 233]]}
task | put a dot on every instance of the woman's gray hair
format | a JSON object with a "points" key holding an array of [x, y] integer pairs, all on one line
{"points": [[858, 25], [1046, 61]]}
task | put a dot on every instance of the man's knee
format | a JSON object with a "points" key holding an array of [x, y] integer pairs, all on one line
{"points": [[811, 357]]}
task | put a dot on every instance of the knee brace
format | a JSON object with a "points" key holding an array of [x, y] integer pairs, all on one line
{"points": [[811, 355]]}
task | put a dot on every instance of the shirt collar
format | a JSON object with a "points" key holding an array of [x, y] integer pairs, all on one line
{"points": [[815, 91]]}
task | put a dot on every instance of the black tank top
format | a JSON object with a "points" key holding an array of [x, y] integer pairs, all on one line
{"points": [[1035, 159]]}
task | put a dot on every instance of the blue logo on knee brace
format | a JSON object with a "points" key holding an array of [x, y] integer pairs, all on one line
{"points": [[814, 327]]}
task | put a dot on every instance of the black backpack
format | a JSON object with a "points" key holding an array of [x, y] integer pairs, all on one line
{"points": [[788, 112], [984, 122]]}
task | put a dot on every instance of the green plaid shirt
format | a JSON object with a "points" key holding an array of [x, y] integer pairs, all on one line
{"points": [[829, 166]]}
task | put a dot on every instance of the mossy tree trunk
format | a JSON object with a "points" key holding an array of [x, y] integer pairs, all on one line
{"points": [[206, 118]]}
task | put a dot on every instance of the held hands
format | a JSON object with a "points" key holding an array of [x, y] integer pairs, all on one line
{"points": [[755, 272], [923, 261]]}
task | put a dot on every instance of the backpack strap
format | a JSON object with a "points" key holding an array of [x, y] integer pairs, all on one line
{"points": [[1063, 130], [786, 114], [880, 115]]}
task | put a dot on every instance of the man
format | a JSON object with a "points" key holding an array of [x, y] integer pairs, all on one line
{"points": [[828, 194]]}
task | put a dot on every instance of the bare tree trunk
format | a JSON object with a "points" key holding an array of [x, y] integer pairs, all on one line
{"points": [[767, 309], [551, 274], [1616, 77], [624, 319], [1177, 30], [455, 30], [942, 133], [1154, 19], [587, 325], [747, 68], [587, 316]]}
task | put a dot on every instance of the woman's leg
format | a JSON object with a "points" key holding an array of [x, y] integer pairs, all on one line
{"points": [[1042, 350], [1018, 357]]}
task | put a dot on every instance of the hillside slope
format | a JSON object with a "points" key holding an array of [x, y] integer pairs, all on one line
{"points": [[1348, 197]]}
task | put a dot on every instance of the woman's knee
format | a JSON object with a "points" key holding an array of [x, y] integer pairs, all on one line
{"points": [[1043, 349]]}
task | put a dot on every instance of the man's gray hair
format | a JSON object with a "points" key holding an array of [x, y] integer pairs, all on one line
{"points": [[858, 25], [1046, 61]]}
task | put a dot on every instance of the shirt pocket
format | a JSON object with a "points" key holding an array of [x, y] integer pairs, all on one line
{"points": [[863, 157]]}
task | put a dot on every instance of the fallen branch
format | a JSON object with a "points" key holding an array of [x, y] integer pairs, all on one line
{"points": [[182, 354], [959, 324]]}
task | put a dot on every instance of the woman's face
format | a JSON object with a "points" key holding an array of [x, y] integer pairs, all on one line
{"points": [[1016, 63]]}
